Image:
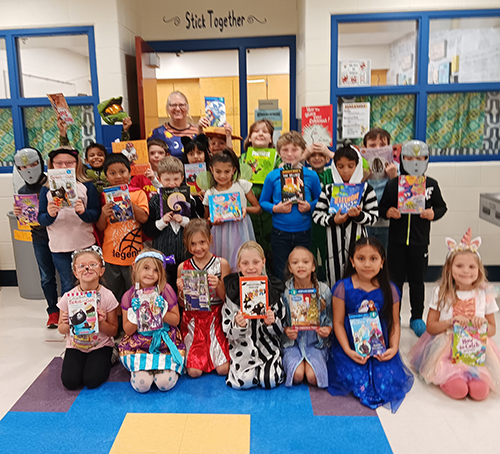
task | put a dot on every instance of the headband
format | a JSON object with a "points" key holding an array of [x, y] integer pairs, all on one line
{"points": [[62, 150], [93, 248], [170, 260], [466, 243]]}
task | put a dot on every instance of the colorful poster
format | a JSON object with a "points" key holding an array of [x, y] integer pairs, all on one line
{"points": [[411, 194], [469, 344], [196, 290], [215, 110], [367, 333], [304, 308], [177, 200], [136, 151], [292, 185], [355, 73], [58, 102], [261, 161], [29, 209], [317, 125], [62, 185], [378, 159], [225, 207], [122, 205], [253, 296], [192, 171], [345, 196]]}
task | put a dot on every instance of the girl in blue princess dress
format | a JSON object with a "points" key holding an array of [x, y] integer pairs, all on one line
{"points": [[377, 380]]}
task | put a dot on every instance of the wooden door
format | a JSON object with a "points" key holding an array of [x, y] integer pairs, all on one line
{"points": [[146, 87]]}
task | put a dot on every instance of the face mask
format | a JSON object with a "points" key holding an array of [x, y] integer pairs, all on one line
{"points": [[28, 157], [415, 148]]}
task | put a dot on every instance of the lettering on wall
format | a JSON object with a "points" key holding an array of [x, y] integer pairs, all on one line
{"points": [[211, 20]]}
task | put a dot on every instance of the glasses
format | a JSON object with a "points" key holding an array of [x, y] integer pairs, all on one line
{"points": [[64, 163], [82, 266], [178, 106]]}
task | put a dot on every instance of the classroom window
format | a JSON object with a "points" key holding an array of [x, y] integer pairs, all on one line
{"points": [[4, 82], [7, 145]]}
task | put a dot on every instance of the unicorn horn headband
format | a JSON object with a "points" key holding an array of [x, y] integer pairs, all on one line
{"points": [[466, 243]]}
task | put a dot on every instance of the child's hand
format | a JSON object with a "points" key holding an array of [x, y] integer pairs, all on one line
{"points": [[203, 123], [17, 211], [149, 173], [243, 213], [177, 218], [291, 333], [427, 214], [324, 331], [63, 127], [391, 170], [127, 123], [79, 207], [387, 355], [304, 206], [102, 315], [356, 357], [167, 217], [107, 210], [213, 281], [228, 129], [340, 218], [477, 322], [283, 207], [180, 285], [240, 320], [462, 320], [354, 212], [53, 209], [393, 213], [63, 318], [269, 320]]}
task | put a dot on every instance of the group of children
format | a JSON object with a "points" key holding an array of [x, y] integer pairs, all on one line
{"points": [[268, 351]]}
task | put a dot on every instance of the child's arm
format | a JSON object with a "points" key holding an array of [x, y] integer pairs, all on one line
{"points": [[275, 318], [47, 211], [63, 132], [266, 196], [63, 324], [492, 324], [106, 213], [155, 224], [434, 325], [315, 189], [180, 287], [218, 284], [129, 327], [394, 336], [172, 316], [438, 206], [388, 206], [108, 321], [126, 124], [228, 129], [92, 212], [255, 208], [140, 214], [320, 215]]}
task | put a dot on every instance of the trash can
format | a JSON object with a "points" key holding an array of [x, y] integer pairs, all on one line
{"points": [[28, 277]]}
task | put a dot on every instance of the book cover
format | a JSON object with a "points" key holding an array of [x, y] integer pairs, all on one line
{"points": [[292, 185], [225, 207], [469, 344], [253, 296], [177, 200], [215, 110], [378, 159], [62, 185], [122, 205], [261, 161], [136, 152], [192, 171], [317, 125], [196, 290], [29, 209], [367, 333], [304, 308], [345, 196], [82, 312], [58, 102], [411, 194], [149, 316]]}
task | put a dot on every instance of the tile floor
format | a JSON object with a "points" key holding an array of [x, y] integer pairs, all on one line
{"points": [[427, 421]]}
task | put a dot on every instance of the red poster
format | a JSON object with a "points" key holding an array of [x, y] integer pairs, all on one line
{"points": [[317, 125]]}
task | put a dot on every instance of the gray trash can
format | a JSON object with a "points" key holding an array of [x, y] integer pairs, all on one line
{"points": [[28, 277]]}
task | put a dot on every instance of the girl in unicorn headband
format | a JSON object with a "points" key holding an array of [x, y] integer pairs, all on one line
{"points": [[462, 298]]}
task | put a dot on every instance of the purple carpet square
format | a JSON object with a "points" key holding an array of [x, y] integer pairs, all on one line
{"points": [[119, 373], [47, 393], [324, 404]]}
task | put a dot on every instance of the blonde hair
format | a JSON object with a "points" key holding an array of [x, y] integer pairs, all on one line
{"points": [[196, 226], [137, 267], [270, 128], [447, 294], [250, 246], [170, 164], [291, 137]]}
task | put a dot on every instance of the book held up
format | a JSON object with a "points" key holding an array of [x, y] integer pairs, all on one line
{"points": [[367, 333], [196, 290], [292, 185], [304, 308], [225, 207], [469, 344], [254, 299], [149, 314], [62, 186], [411, 194], [122, 205], [82, 312]]}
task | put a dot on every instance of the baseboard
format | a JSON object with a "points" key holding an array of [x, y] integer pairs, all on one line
{"points": [[8, 278]]}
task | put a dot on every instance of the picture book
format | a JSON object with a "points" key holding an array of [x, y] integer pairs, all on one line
{"points": [[411, 194], [149, 314], [261, 161], [345, 196], [215, 110], [136, 151], [58, 102], [292, 185], [367, 333], [192, 171], [196, 290], [29, 209], [62, 185], [378, 159], [317, 125], [225, 207], [469, 344], [122, 205], [304, 308], [253, 296], [177, 200], [82, 312]]}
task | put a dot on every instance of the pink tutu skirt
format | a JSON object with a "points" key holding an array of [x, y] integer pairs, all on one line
{"points": [[430, 357]]}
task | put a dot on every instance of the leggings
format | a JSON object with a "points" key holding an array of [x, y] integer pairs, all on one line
{"points": [[86, 369]]}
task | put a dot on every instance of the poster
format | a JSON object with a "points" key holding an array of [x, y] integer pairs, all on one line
{"points": [[355, 119], [317, 125], [355, 73]]}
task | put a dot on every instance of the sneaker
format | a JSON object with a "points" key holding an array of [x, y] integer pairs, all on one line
{"points": [[418, 326], [115, 356], [53, 320]]}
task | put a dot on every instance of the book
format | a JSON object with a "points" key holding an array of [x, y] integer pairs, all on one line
{"points": [[367, 333], [82, 312], [58, 102], [378, 159], [62, 185], [29, 209], [317, 125], [122, 205], [177, 200], [469, 344], [196, 290], [136, 152], [345, 196], [192, 171], [411, 194], [215, 110], [254, 296], [261, 161], [149, 314], [225, 207], [292, 185], [304, 308]]}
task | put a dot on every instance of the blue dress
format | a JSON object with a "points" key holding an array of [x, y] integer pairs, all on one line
{"points": [[376, 382]]}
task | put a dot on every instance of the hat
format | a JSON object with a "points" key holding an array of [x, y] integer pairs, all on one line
{"points": [[70, 151], [213, 131]]}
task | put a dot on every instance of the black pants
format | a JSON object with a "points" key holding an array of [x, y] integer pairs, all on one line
{"points": [[409, 263], [86, 369]]}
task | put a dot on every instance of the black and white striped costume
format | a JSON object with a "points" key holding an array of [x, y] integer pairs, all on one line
{"points": [[255, 350]]}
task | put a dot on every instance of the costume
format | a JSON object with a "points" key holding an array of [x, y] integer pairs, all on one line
{"points": [[255, 350], [172, 137], [229, 236], [308, 346], [376, 382], [206, 345], [98, 177]]}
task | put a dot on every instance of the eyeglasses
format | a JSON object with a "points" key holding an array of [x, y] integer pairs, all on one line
{"points": [[82, 266], [64, 163], [178, 106]]}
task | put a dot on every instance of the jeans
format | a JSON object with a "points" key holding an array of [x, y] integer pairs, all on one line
{"points": [[282, 243], [47, 271], [62, 261]]}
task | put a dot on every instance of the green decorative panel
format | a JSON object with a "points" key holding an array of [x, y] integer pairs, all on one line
{"points": [[7, 144]]}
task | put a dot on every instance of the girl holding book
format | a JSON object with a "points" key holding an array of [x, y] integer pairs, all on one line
{"points": [[254, 343], [463, 301], [87, 360], [151, 349], [305, 351], [230, 235], [206, 345], [377, 380]]}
